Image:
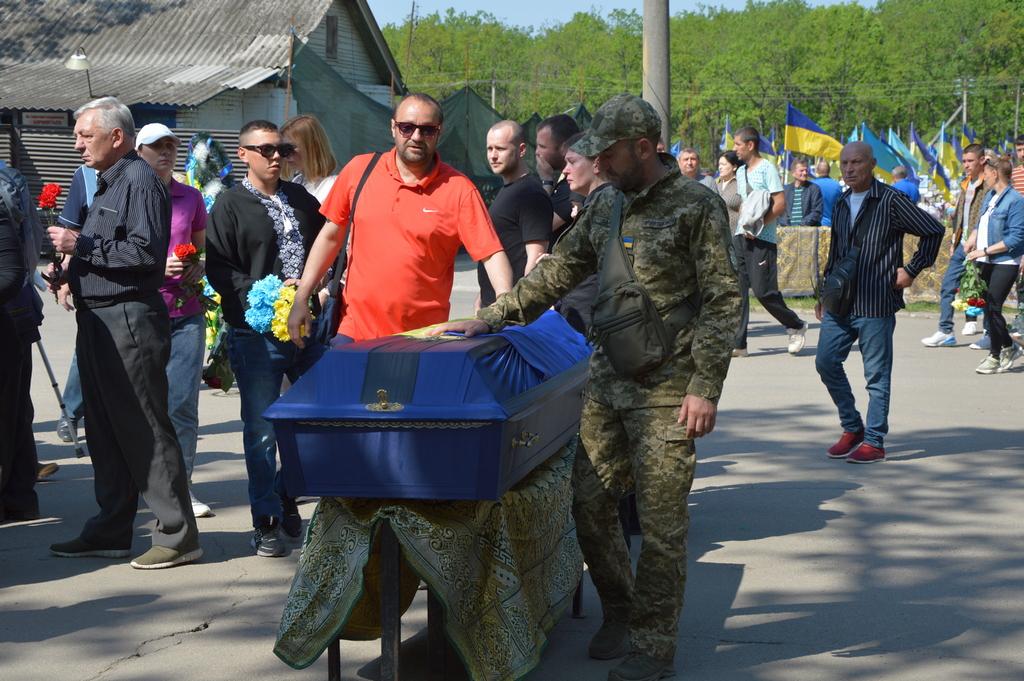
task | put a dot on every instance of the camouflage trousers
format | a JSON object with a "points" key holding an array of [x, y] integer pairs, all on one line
{"points": [[643, 450]]}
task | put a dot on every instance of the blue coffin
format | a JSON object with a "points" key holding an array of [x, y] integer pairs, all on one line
{"points": [[444, 418]]}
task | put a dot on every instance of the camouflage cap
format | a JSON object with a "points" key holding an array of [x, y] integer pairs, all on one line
{"points": [[621, 117]]}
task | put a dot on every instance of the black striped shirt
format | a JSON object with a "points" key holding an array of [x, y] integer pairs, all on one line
{"points": [[889, 215], [122, 251]]}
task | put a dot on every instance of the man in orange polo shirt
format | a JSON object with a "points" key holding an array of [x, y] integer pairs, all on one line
{"points": [[413, 214]]}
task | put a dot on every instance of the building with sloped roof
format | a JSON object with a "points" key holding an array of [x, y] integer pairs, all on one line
{"points": [[190, 64]]}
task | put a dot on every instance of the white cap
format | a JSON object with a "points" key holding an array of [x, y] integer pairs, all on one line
{"points": [[151, 132]]}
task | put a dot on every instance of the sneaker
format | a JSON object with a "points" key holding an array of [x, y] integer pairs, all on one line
{"points": [[740, 352], [939, 339], [64, 430], [610, 641], [797, 339], [640, 667], [199, 509], [160, 557], [45, 470], [989, 365], [78, 548], [846, 444], [291, 521], [983, 343], [866, 454], [267, 541], [970, 329], [1007, 357]]}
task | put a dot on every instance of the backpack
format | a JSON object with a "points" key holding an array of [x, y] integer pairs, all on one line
{"points": [[26, 309], [16, 198]]}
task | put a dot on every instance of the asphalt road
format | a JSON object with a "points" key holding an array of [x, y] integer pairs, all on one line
{"points": [[800, 568]]}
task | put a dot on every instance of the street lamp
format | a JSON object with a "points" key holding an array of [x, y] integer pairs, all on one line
{"points": [[79, 62]]}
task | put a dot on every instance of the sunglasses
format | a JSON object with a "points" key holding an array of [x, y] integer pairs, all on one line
{"points": [[267, 151], [407, 129]]}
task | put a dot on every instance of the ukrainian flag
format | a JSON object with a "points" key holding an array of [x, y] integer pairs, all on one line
{"points": [[885, 158], [938, 175], [804, 136], [908, 157], [726, 143], [946, 155]]}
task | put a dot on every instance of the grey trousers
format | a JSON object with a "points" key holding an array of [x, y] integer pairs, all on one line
{"points": [[122, 354]]}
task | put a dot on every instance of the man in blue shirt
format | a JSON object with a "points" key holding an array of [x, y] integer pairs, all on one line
{"points": [[902, 183], [830, 191]]}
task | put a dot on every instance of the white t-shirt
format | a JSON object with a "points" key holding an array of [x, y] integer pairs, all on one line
{"points": [[856, 201]]}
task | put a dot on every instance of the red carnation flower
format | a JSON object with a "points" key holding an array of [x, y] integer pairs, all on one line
{"points": [[184, 251], [48, 196]]}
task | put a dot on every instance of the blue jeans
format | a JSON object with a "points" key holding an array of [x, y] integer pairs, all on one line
{"points": [[947, 292], [874, 337], [73, 392], [260, 363], [184, 374]]}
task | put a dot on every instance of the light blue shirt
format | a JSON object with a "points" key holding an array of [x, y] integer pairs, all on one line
{"points": [[764, 177], [830, 191]]}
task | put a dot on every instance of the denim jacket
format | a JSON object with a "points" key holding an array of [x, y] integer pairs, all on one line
{"points": [[1006, 223]]}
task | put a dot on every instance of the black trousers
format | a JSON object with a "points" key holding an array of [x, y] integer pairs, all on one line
{"points": [[999, 279], [758, 270], [122, 357], [17, 443]]}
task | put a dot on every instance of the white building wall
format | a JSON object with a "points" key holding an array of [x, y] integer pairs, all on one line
{"points": [[232, 109]]}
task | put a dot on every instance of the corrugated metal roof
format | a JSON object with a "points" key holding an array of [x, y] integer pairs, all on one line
{"points": [[174, 52]]}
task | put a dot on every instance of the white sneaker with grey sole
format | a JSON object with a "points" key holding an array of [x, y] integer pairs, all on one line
{"points": [[797, 339]]}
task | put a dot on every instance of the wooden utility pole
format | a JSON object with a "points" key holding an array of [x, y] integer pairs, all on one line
{"points": [[1016, 116], [408, 47], [291, 61], [656, 61]]}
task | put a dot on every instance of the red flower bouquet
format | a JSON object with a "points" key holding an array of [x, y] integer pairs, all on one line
{"points": [[191, 256]]}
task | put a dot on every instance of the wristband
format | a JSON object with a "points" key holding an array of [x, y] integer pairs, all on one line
{"points": [[547, 183], [985, 251]]}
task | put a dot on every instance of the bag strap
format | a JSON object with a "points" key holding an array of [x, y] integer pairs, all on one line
{"points": [[341, 261], [616, 269]]}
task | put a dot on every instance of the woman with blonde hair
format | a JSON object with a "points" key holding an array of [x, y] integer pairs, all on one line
{"points": [[312, 161]]}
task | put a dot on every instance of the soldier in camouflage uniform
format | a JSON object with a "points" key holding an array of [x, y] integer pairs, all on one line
{"points": [[638, 433]]}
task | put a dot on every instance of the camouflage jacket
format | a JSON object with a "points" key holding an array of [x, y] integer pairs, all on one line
{"points": [[679, 231]]}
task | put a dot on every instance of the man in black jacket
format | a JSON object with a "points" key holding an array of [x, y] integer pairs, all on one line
{"points": [[883, 215], [260, 227], [115, 270], [803, 198]]}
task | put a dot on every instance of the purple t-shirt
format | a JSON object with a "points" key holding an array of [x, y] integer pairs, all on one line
{"points": [[188, 215]]}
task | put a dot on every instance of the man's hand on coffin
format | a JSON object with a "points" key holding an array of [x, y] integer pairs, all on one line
{"points": [[699, 416], [467, 327], [300, 322]]}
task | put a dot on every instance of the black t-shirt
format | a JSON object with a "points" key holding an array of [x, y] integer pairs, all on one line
{"points": [[521, 212], [561, 200]]}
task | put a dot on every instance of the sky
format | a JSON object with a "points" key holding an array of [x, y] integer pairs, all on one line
{"points": [[536, 13]]}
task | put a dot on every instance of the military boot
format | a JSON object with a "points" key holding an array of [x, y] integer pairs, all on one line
{"points": [[610, 641], [640, 667]]}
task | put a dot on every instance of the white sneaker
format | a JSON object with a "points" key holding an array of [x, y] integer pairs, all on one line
{"points": [[939, 339], [797, 339], [970, 329], [199, 509], [983, 343], [1007, 357], [989, 365]]}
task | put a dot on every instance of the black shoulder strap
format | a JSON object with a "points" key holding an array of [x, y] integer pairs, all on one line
{"points": [[339, 264], [616, 269]]}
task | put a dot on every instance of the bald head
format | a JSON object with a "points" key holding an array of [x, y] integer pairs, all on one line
{"points": [[513, 131], [823, 168], [857, 161]]}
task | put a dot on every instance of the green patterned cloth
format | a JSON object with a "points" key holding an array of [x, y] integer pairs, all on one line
{"points": [[505, 571]]}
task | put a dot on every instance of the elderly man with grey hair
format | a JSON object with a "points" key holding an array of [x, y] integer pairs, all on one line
{"points": [[688, 159], [115, 267]]}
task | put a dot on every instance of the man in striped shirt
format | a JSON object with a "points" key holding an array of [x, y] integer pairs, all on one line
{"points": [[1017, 179], [115, 269], [882, 216]]}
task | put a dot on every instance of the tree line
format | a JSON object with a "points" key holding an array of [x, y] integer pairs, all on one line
{"points": [[893, 64]]}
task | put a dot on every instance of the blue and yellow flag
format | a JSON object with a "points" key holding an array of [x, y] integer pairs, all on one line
{"points": [[726, 143], [804, 136], [908, 157], [946, 155], [936, 172], [885, 158]]}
